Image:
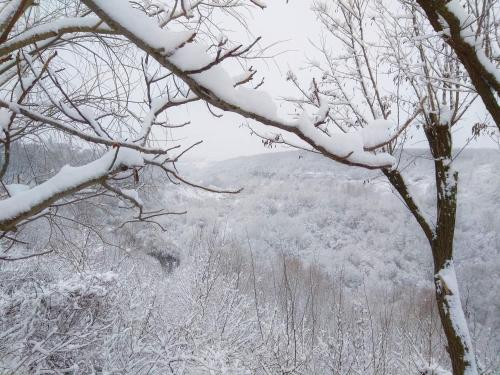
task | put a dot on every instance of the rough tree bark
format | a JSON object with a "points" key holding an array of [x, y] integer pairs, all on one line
{"points": [[447, 294], [485, 83], [440, 237]]}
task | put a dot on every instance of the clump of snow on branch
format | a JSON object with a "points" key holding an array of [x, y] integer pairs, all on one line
{"points": [[68, 178], [446, 280], [377, 132], [4, 120], [14, 189], [190, 56], [350, 145], [141, 25], [193, 56], [466, 20]]}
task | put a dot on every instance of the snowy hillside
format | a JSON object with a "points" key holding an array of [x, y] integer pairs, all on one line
{"points": [[348, 219], [313, 266], [336, 216]]}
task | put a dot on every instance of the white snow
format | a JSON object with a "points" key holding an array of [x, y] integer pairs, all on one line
{"points": [[446, 279], [133, 194], [4, 119], [25, 83], [15, 189], [8, 10], [307, 209], [156, 105], [348, 145], [445, 115], [14, 107], [377, 132], [91, 283], [67, 178], [242, 77], [142, 26], [90, 117], [466, 20], [193, 56], [170, 14]]}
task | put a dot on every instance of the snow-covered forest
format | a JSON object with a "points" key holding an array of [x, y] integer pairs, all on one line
{"points": [[369, 244]]}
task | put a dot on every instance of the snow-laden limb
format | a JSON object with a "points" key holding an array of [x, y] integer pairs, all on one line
{"points": [[84, 95], [452, 20], [350, 145], [52, 29], [4, 120], [216, 86], [455, 7], [140, 24], [7, 13], [69, 180], [376, 132], [14, 189], [447, 285]]}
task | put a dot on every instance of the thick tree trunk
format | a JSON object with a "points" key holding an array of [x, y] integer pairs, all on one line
{"points": [[440, 239], [447, 294], [455, 327]]}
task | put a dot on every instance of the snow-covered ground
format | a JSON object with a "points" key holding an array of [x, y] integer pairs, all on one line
{"points": [[312, 267]]}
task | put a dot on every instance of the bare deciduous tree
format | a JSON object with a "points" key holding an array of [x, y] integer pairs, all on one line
{"points": [[65, 76]]}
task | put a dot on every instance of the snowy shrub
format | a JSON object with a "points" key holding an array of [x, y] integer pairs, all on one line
{"points": [[50, 325]]}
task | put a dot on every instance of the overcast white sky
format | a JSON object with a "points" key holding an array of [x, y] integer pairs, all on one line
{"points": [[293, 24]]}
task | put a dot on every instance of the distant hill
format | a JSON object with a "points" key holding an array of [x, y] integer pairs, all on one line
{"points": [[348, 218]]}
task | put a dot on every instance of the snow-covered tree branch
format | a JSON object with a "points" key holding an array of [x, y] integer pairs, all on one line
{"points": [[469, 33], [66, 76], [188, 60]]}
